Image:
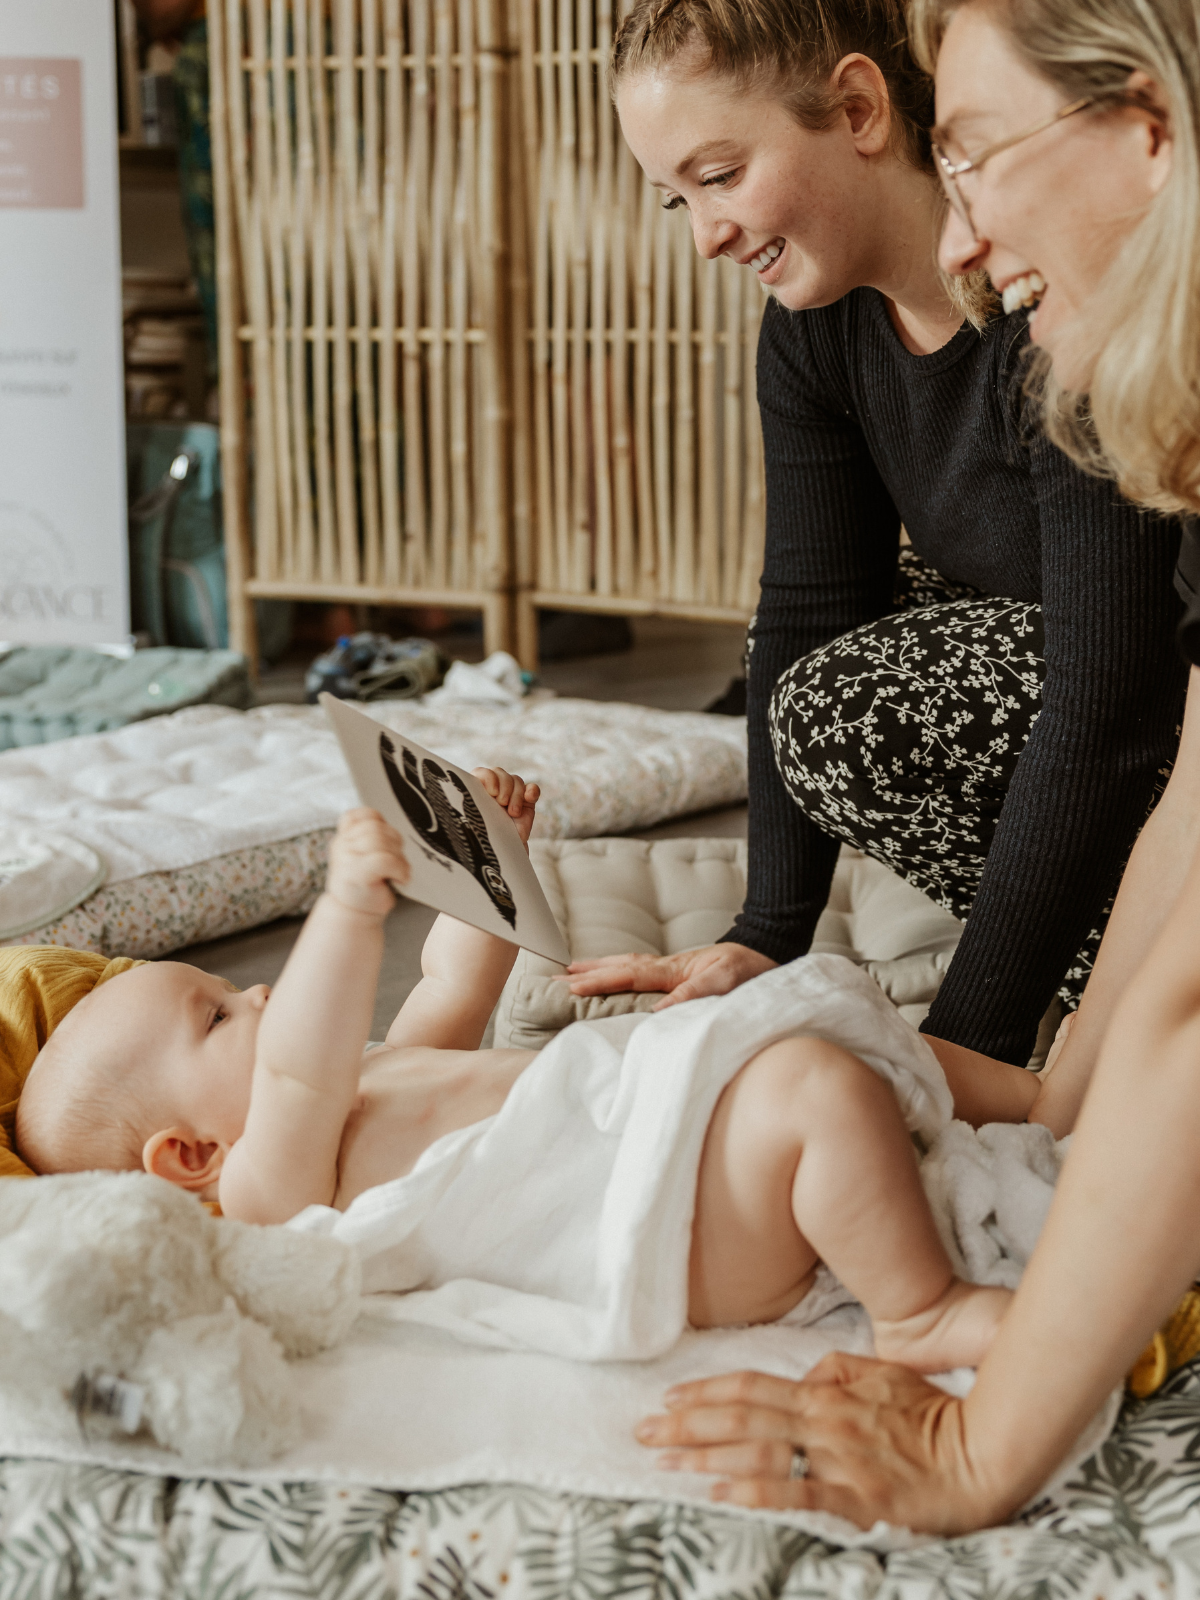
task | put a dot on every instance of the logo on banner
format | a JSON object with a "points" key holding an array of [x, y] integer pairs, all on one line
{"points": [[36, 573]]}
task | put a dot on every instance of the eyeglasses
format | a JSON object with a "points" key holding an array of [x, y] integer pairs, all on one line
{"points": [[950, 172]]}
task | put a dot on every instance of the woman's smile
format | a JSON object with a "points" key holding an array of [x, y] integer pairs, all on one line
{"points": [[767, 262], [1026, 289]]}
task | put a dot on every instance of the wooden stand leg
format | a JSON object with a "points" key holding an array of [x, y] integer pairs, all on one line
{"points": [[243, 628], [526, 630], [497, 628]]}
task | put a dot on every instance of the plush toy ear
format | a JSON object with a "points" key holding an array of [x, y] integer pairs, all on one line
{"points": [[177, 1155]]}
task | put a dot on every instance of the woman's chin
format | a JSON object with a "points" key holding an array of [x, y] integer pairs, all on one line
{"points": [[1052, 332], [802, 291]]}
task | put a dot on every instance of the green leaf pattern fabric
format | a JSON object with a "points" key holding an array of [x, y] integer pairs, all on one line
{"points": [[1127, 1527]]}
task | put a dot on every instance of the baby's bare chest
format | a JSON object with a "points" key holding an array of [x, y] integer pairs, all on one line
{"points": [[408, 1099]]}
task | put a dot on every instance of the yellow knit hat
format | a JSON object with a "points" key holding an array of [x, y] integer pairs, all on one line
{"points": [[39, 983]]}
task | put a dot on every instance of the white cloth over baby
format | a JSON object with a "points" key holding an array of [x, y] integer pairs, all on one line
{"points": [[563, 1223]]}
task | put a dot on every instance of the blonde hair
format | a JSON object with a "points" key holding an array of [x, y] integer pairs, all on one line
{"points": [[791, 48], [1139, 421]]}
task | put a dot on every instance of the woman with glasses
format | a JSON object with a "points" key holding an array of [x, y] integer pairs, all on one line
{"points": [[1069, 141], [989, 719]]}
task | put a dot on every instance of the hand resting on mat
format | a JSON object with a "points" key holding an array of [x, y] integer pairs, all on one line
{"points": [[875, 1439], [712, 969]]}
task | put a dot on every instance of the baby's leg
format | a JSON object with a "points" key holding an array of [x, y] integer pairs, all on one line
{"points": [[807, 1159]]}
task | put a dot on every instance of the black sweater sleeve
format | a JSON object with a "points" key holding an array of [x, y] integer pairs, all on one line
{"points": [[831, 542], [1111, 698]]}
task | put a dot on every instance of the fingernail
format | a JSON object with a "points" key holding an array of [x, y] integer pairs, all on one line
{"points": [[645, 1431], [721, 1491], [668, 1462], [673, 1397]]}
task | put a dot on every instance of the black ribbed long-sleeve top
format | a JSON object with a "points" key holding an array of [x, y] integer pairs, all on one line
{"points": [[860, 435]]}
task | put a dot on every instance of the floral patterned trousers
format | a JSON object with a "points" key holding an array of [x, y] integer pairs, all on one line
{"points": [[901, 737]]}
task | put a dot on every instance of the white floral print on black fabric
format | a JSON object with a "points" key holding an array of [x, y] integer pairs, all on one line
{"points": [[901, 737]]}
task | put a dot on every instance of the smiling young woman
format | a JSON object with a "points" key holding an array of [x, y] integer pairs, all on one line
{"points": [[988, 721]]}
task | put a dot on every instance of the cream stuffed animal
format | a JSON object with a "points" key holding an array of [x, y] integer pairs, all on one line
{"points": [[126, 1308]]}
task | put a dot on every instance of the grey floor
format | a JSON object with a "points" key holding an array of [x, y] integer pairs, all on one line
{"points": [[673, 665]]}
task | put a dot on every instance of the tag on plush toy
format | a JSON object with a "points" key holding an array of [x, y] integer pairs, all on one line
{"points": [[101, 1394], [466, 855]]}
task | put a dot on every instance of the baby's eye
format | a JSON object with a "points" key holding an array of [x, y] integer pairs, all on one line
{"points": [[674, 203], [718, 178], [219, 1015]]}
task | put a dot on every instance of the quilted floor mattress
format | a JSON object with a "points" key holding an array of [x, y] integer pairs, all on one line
{"points": [[214, 820]]}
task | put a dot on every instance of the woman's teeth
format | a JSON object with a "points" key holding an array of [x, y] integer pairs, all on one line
{"points": [[1025, 291], [766, 255]]}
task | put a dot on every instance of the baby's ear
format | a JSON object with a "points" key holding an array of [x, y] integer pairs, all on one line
{"points": [[178, 1156]]}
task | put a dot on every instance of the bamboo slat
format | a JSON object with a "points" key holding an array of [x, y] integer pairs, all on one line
{"points": [[522, 150], [242, 630], [389, 291], [303, 556], [321, 369], [497, 534], [362, 253]]}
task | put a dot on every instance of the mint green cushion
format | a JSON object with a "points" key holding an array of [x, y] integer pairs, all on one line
{"points": [[52, 692]]}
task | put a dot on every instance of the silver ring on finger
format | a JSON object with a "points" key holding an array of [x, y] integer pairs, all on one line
{"points": [[799, 1465]]}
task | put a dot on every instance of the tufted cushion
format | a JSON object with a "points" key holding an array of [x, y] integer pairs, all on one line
{"points": [[616, 895]]}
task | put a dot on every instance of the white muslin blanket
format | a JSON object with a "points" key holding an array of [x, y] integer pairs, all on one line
{"points": [[562, 1224]]}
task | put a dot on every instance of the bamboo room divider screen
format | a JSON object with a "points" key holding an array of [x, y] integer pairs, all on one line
{"points": [[466, 357]]}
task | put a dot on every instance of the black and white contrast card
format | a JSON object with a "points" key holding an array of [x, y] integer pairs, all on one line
{"points": [[466, 855]]}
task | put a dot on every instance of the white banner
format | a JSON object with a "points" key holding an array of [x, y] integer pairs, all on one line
{"points": [[64, 566]]}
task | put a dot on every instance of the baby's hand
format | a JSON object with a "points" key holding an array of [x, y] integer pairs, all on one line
{"points": [[365, 858], [517, 797]]}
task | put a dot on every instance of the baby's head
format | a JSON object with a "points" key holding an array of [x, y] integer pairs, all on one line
{"points": [[153, 1069]]}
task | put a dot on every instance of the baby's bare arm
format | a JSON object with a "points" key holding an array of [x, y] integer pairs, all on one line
{"points": [[313, 1033], [464, 969]]}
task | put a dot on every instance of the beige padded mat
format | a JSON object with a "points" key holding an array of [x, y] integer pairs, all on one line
{"points": [[616, 895]]}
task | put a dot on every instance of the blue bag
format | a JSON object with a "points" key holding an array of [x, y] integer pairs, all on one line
{"points": [[177, 542]]}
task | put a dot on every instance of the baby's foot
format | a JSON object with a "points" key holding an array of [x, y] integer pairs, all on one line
{"points": [[955, 1331]]}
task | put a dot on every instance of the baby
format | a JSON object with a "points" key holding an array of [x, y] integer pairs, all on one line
{"points": [[267, 1103]]}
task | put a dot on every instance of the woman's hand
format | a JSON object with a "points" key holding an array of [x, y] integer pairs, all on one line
{"points": [[713, 969], [881, 1442]]}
